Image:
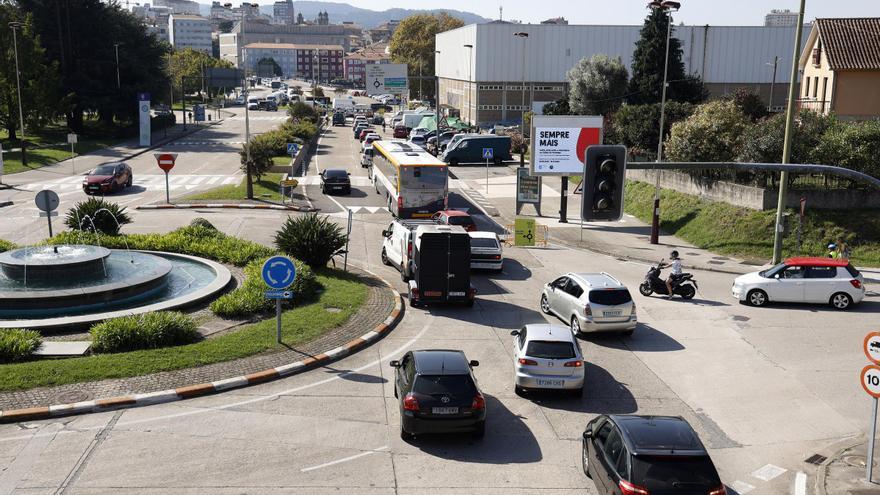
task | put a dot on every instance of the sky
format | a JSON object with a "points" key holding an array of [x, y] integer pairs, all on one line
{"points": [[693, 12]]}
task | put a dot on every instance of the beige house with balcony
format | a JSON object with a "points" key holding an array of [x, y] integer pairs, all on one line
{"points": [[840, 68]]}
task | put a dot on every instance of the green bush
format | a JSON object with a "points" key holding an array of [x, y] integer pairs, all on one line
{"points": [[310, 238], [636, 125], [17, 344], [146, 331], [96, 210], [301, 131], [301, 111], [6, 245], [712, 134], [852, 145], [249, 299], [261, 149], [201, 222]]}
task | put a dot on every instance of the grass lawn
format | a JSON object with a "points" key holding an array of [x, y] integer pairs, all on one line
{"points": [[740, 232], [299, 325], [41, 156], [266, 189]]}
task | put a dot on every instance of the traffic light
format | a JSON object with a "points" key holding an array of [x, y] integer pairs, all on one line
{"points": [[603, 183]]}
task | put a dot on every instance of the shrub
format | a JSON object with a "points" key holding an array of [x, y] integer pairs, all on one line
{"points": [[636, 125], [162, 121], [201, 222], [17, 344], [6, 245], [712, 134], [749, 103], [146, 331], [852, 145], [301, 111], [517, 143], [249, 299], [101, 214], [310, 238], [762, 142], [302, 130]]}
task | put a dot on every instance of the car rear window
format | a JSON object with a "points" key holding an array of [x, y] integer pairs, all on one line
{"points": [[335, 173], [550, 350], [610, 297], [444, 384], [672, 472], [482, 242], [852, 270], [461, 220]]}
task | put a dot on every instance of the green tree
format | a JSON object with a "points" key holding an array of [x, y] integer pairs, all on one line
{"points": [[749, 103], [189, 65], [598, 85], [302, 111], [262, 149], [645, 86], [318, 92], [712, 134], [636, 125], [762, 142], [558, 107], [413, 44], [853, 145]]}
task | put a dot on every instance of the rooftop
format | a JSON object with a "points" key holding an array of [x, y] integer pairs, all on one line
{"points": [[660, 433], [815, 261], [292, 46], [549, 332], [850, 43], [441, 362]]}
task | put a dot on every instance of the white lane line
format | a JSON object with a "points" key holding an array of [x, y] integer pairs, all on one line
{"points": [[318, 169], [741, 487], [344, 459], [768, 472], [800, 483]]}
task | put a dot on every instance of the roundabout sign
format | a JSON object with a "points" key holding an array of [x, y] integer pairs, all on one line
{"points": [[279, 273]]}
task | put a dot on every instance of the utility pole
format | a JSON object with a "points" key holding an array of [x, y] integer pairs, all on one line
{"points": [[786, 146], [773, 82], [15, 25], [118, 80], [249, 190]]}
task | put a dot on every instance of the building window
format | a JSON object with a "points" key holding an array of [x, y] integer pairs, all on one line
{"points": [[815, 86], [806, 87]]}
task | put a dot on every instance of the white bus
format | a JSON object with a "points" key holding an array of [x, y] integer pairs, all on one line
{"points": [[415, 182]]}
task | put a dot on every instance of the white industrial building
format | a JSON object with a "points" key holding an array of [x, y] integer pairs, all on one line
{"points": [[189, 31], [485, 82]]}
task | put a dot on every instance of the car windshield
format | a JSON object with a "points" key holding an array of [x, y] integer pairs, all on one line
{"points": [[482, 242], [610, 297], [104, 170], [460, 220], [550, 350], [444, 384], [674, 472], [768, 273], [335, 173]]}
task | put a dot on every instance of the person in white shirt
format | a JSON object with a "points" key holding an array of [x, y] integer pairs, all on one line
{"points": [[675, 263]]}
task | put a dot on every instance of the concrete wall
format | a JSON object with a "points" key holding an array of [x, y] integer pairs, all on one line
{"points": [[756, 198]]}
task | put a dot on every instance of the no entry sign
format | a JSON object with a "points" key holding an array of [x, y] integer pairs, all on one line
{"points": [[166, 160]]}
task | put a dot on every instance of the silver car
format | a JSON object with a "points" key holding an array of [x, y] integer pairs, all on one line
{"points": [[547, 357], [590, 302]]}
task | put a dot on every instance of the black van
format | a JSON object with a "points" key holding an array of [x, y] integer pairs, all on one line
{"points": [[470, 150], [441, 266]]}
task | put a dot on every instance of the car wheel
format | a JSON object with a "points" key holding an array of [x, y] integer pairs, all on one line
{"points": [[480, 432], [395, 391], [575, 326], [585, 459], [385, 258], [841, 300], [645, 289], [757, 298], [412, 301], [518, 390], [545, 305], [628, 333], [404, 435], [688, 291]]}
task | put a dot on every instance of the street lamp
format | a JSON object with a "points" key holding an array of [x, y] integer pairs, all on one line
{"points": [[773, 82], [15, 25], [247, 121], [522, 116], [118, 83], [667, 7], [437, 95], [470, 95]]}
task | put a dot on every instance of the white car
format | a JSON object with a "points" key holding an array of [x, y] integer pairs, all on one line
{"points": [[547, 357], [806, 280], [486, 252], [590, 302], [397, 245]]}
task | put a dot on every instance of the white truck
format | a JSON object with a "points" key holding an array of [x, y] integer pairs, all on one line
{"points": [[343, 104]]}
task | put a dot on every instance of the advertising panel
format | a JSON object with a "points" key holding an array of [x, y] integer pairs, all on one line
{"points": [[559, 143], [386, 79]]}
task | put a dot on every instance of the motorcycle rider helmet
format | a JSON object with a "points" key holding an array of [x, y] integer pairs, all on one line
{"points": [[673, 255], [832, 246]]}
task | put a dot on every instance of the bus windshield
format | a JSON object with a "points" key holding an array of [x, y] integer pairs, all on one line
{"points": [[422, 178]]}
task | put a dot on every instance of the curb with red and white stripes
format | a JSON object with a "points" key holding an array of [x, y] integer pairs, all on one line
{"points": [[190, 391], [242, 206]]}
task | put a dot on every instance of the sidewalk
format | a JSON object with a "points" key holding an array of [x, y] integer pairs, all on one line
{"points": [[844, 471]]}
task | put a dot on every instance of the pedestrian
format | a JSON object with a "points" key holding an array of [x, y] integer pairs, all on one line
{"points": [[845, 252], [383, 125]]}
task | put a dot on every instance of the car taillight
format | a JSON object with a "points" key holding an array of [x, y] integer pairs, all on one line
{"points": [[856, 283], [627, 488], [400, 202], [409, 249], [496, 257], [720, 490], [479, 402], [527, 362], [588, 311], [633, 310], [410, 403], [574, 364], [472, 293]]}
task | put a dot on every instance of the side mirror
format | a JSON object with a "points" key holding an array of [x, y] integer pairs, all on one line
{"points": [[385, 233], [588, 434], [514, 332], [474, 364], [348, 173], [394, 364]]}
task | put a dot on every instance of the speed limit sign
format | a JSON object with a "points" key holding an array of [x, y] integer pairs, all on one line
{"points": [[871, 380]]}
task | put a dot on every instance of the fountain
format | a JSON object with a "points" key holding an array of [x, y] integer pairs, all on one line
{"points": [[51, 286]]}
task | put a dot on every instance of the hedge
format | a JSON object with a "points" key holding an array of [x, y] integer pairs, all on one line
{"points": [[145, 331], [17, 344], [249, 297], [6, 245]]}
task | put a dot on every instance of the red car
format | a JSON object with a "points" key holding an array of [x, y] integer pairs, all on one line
{"points": [[107, 177], [364, 133], [401, 132], [455, 217]]}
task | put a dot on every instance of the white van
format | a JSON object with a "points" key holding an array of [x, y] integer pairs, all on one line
{"points": [[397, 245]]}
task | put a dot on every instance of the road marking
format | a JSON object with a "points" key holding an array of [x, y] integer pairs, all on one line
{"points": [[768, 472], [344, 459], [800, 483], [741, 487]]}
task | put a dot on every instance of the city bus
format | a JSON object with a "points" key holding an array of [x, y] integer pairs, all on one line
{"points": [[414, 181]]}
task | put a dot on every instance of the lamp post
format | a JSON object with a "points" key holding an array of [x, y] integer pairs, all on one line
{"points": [[786, 144], [470, 95], [667, 7], [247, 121], [118, 81], [15, 25], [773, 82], [522, 116], [437, 96]]}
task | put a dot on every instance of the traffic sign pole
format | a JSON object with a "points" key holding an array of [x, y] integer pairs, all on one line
{"points": [[871, 441], [167, 190], [278, 321], [279, 273]]}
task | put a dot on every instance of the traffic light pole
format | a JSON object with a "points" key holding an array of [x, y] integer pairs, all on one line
{"points": [[563, 201]]}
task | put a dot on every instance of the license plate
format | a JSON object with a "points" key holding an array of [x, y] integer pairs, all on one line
{"points": [[456, 294], [433, 293], [550, 383], [444, 410], [94, 187], [338, 187], [611, 313]]}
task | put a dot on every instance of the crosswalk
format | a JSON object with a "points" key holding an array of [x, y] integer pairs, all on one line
{"points": [[260, 117], [147, 182], [205, 143]]}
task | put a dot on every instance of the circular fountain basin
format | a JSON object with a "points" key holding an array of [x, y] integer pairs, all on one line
{"points": [[136, 282], [53, 262]]}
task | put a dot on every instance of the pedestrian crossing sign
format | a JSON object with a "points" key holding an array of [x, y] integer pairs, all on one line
{"points": [[488, 153], [292, 148]]}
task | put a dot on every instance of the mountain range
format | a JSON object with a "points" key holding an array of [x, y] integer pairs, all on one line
{"points": [[343, 12]]}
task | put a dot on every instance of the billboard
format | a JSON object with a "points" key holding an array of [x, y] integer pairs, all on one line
{"points": [[559, 143], [384, 79]]}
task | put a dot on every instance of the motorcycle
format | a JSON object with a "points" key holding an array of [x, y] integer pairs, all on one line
{"points": [[683, 285]]}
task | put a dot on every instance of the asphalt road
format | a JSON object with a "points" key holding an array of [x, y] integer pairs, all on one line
{"points": [[764, 388]]}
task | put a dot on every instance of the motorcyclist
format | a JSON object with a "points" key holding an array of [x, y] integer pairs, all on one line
{"points": [[675, 263], [832, 250]]}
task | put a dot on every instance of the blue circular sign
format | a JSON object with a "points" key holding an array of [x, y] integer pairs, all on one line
{"points": [[279, 272]]}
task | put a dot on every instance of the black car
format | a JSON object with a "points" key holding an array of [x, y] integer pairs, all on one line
{"points": [[633, 455], [268, 105], [335, 180], [438, 394], [338, 118]]}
